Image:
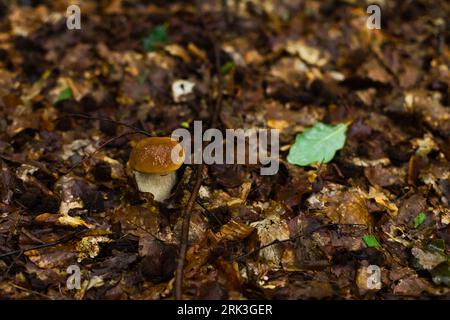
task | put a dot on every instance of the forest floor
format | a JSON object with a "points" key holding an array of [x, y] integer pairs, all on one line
{"points": [[307, 232]]}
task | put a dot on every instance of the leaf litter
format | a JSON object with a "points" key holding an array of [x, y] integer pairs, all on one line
{"points": [[364, 138]]}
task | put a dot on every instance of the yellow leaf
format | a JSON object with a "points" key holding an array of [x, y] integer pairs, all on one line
{"points": [[277, 124], [382, 200]]}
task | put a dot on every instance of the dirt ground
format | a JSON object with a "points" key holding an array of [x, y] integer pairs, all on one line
{"points": [[70, 98]]}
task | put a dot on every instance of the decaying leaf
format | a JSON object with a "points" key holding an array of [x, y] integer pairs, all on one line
{"points": [[270, 230], [428, 260], [308, 53], [383, 200], [89, 247], [234, 230], [341, 205], [363, 173], [62, 220]]}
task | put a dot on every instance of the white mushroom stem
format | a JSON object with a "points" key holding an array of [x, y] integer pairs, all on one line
{"points": [[159, 185]]}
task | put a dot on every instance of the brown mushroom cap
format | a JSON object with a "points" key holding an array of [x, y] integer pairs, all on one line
{"points": [[154, 155]]}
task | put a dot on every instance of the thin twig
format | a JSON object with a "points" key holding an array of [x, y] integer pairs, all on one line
{"points": [[87, 116], [12, 265], [31, 291], [198, 182], [146, 231], [41, 246], [185, 233], [209, 212]]}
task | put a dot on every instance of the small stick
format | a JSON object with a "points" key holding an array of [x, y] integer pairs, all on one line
{"points": [[31, 291], [185, 233], [198, 182], [87, 116], [41, 246]]}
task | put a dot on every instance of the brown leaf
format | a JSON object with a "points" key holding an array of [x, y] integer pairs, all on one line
{"points": [[137, 220], [234, 231], [62, 220], [410, 208]]}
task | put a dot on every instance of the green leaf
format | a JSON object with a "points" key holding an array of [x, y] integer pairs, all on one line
{"points": [[66, 94], [419, 219], [317, 144], [371, 241], [185, 124], [226, 68], [441, 274], [156, 38]]}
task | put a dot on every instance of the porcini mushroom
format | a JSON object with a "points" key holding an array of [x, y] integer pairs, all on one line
{"points": [[154, 162]]}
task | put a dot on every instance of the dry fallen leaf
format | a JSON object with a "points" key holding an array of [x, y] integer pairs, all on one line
{"points": [[62, 220], [273, 228], [89, 247]]}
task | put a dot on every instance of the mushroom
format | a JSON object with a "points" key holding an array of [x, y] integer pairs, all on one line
{"points": [[154, 162]]}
